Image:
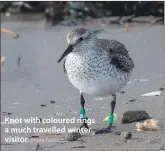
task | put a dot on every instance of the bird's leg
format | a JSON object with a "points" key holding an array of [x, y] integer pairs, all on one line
{"points": [[111, 116], [110, 128], [82, 113]]}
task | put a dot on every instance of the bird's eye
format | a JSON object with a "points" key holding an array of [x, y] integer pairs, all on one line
{"points": [[81, 39]]}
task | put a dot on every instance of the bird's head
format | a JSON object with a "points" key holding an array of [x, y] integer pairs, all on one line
{"points": [[79, 38]]}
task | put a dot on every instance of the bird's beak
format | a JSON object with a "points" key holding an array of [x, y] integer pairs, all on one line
{"points": [[66, 52]]}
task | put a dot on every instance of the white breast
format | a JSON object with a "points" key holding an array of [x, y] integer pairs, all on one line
{"points": [[94, 75]]}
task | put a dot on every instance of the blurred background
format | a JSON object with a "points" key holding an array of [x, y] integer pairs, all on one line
{"points": [[70, 13]]}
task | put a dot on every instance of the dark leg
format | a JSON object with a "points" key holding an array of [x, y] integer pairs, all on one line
{"points": [[82, 101], [82, 113], [113, 104], [110, 128]]}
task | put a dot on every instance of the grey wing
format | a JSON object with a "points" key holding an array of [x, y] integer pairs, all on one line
{"points": [[113, 45], [118, 54], [123, 63]]}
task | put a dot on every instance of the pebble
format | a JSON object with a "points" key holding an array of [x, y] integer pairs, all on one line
{"points": [[73, 136], [127, 135], [155, 93], [80, 146], [6, 113], [34, 136], [134, 116], [52, 101], [118, 133], [7, 14], [132, 100], [43, 105], [162, 148], [86, 9], [37, 147], [161, 89]]}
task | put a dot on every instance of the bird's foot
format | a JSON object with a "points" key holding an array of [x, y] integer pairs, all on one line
{"points": [[84, 123], [109, 129]]}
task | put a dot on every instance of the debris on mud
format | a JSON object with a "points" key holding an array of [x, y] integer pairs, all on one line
{"points": [[6, 113], [155, 93], [34, 136], [161, 89], [122, 92], [18, 61], [73, 136], [80, 146], [52, 101], [132, 100], [134, 116], [2, 60], [147, 125], [10, 32], [127, 135], [43, 105], [37, 147]]}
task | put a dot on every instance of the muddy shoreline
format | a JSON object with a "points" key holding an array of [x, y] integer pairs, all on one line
{"points": [[40, 79]]}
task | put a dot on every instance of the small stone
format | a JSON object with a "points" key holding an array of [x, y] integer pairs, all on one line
{"points": [[88, 18], [7, 14], [6, 113], [73, 136], [52, 101], [43, 105], [86, 9], [122, 92], [161, 148], [80, 14], [34, 136], [147, 125], [161, 89], [134, 116], [127, 135], [132, 100], [80, 146], [37, 147], [118, 133], [108, 13]]}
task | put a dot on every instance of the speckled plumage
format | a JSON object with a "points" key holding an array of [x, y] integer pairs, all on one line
{"points": [[98, 67]]}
